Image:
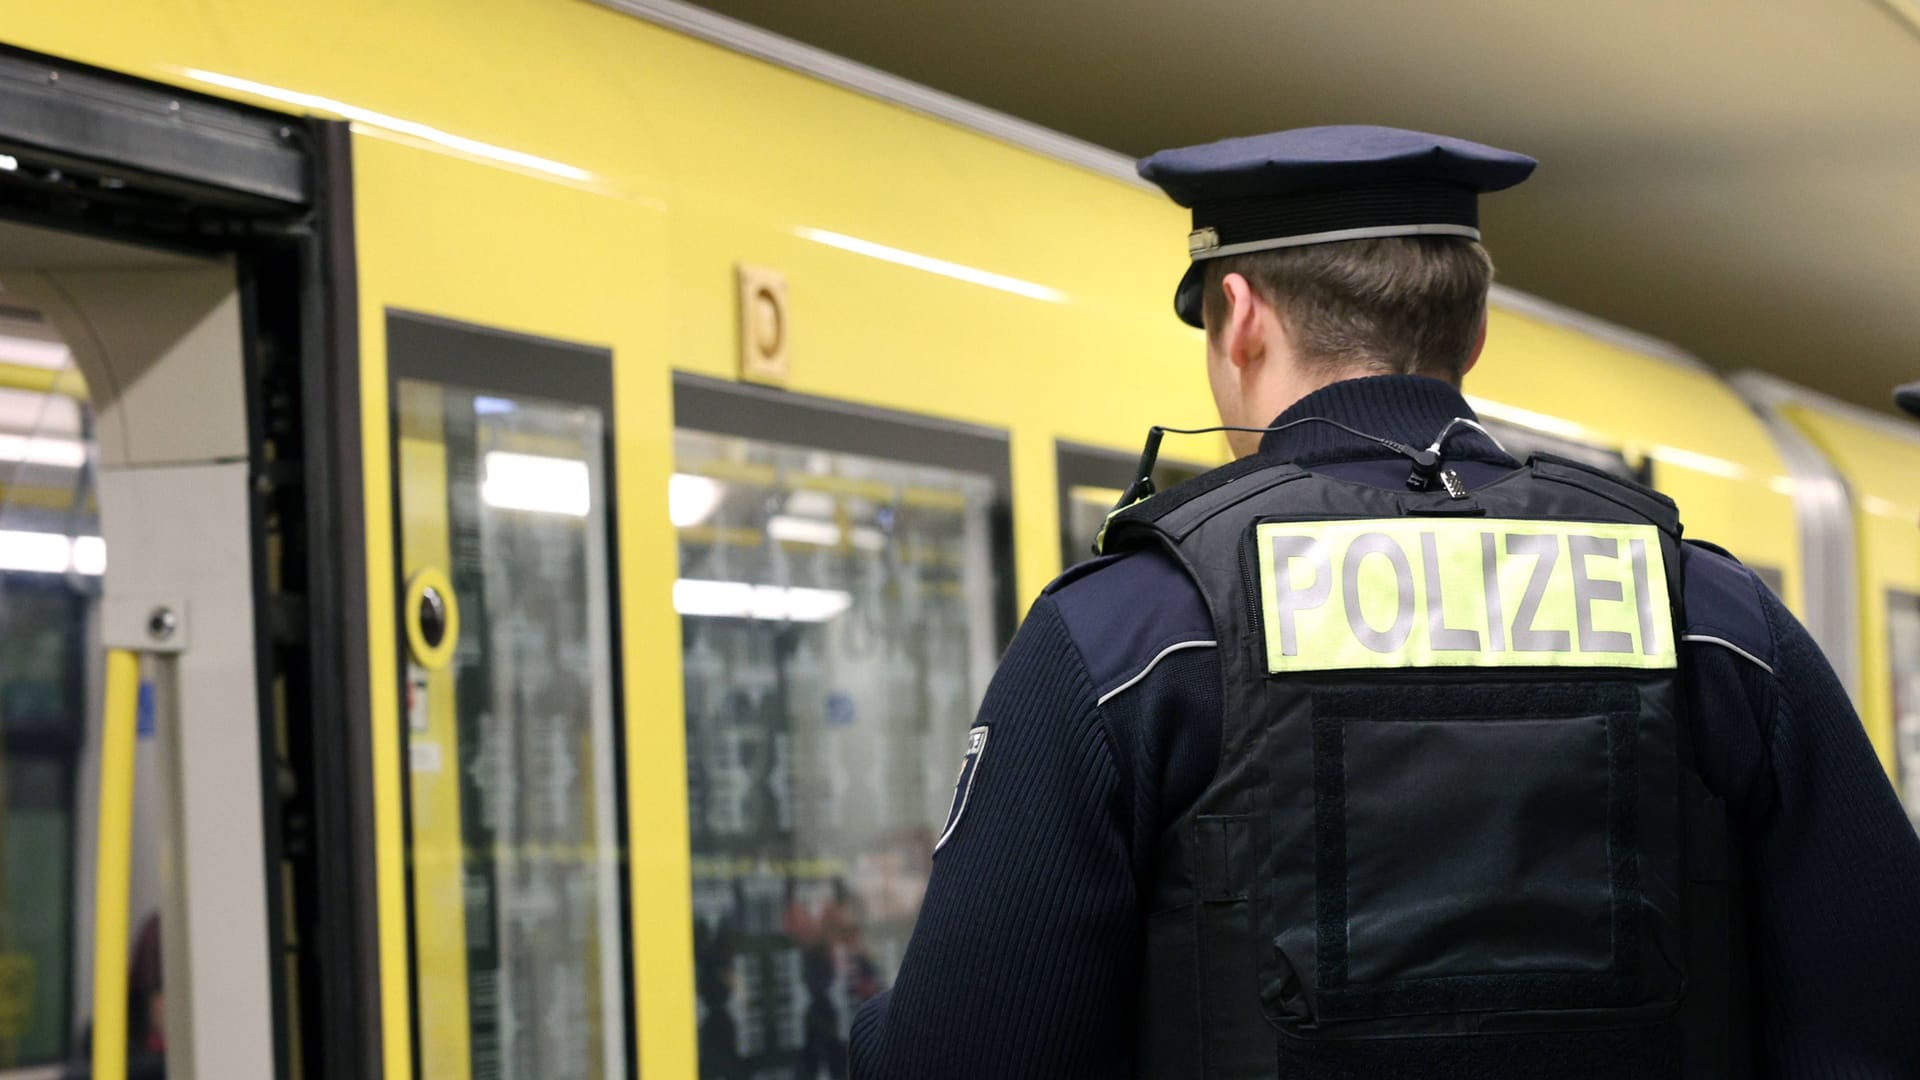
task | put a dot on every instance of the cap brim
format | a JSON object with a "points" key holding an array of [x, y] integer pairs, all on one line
{"points": [[1186, 298], [1908, 397]]}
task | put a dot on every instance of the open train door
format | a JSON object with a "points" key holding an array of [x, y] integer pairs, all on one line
{"points": [[176, 281]]}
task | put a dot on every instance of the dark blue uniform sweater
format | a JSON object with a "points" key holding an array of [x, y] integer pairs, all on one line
{"points": [[1105, 726]]}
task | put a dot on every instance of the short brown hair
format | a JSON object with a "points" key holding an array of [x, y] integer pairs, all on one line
{"points": [[1400, 304]]}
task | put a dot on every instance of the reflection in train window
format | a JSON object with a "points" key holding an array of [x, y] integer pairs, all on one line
{"points": [[1523, 442], [1903, 658], [839, 625], [514, 820], [1092, 480], [51, 559]]}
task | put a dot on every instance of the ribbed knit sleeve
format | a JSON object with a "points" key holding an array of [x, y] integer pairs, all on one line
{"points": [[1024, 958], [1834, 872]]}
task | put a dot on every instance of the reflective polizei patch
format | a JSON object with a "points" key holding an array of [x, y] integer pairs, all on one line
{"points": [[1423, 592], [963, 783]]}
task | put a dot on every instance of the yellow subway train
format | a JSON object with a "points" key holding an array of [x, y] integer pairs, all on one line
{"points": [[508, 510]]}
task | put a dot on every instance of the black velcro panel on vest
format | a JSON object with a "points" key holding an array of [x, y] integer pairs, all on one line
{"points": [[1458, 791], [1561, 1055], [1177, 511]]}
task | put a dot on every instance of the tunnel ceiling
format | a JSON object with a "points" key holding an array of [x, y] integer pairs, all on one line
{"points": [[1740, 178]]}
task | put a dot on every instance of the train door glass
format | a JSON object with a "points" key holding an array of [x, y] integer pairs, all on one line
{"points": [[1903, 658], [1522, 442], [1092, 480], [514, 803], [843, 599], [51, 559]]}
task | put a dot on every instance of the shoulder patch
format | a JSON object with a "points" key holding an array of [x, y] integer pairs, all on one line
{"points": [[1723, 605], [963, 783], [1079, 570], [1123, 614]]}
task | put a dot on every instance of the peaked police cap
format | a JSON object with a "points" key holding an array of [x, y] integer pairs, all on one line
{"points": [[1319, 185]]}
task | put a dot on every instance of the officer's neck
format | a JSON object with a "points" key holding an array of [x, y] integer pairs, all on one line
{"points": [[1410, 409]]}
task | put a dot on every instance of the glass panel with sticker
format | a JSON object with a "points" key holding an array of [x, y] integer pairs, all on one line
{"points": [[1903, 659], [514, 823], [1092, 480], [842, 607]]}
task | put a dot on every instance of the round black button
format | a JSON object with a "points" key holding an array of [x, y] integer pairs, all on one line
{"points": [[433, 617]]}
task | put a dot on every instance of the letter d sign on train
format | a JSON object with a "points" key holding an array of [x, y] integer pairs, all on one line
{"points": [[1399, 592]]}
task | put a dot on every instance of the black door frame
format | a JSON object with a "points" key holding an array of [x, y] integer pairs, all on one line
{"points": [[98, 153]]}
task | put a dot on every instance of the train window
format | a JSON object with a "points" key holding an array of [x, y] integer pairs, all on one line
{"points": [[1522, 442], [1091, 481], [511, 704], [51, 559], [844, 590], [1903, 659]]}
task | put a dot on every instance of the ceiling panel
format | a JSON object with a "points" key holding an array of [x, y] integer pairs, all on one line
{"points": [[1741, 178]]}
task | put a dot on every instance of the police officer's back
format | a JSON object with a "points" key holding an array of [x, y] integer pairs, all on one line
{"points": [[1377, 753]]}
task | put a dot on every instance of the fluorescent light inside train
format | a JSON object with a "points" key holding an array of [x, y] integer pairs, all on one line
{"points": [[51, 553], [931, 265], [34, 352], [691, 499], [458, 143], [740, 600], [39, 450], [543, 485], [804, 530], [89, 555]]}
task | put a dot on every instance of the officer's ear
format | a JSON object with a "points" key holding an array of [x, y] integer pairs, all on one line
{"points": [[1242, 339]]}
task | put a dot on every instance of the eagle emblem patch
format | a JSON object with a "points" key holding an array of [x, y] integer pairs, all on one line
{"points": [[963, 783]]}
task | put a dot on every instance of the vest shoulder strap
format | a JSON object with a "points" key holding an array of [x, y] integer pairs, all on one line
{"points": [[1174, 515], [1635, 497], [1179, 510]]}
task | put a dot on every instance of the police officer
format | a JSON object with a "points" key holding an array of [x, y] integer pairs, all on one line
{"points": [[1378, 753]]}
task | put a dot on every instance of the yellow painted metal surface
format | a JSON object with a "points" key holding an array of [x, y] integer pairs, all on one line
{"points": [[1709, 453], [114, 867], [1881, 471], [389, 811], [560, 169], [432, 738], [595, 260]]}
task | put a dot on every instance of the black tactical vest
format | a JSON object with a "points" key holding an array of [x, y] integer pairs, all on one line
{"points": [[1455, 830]]}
